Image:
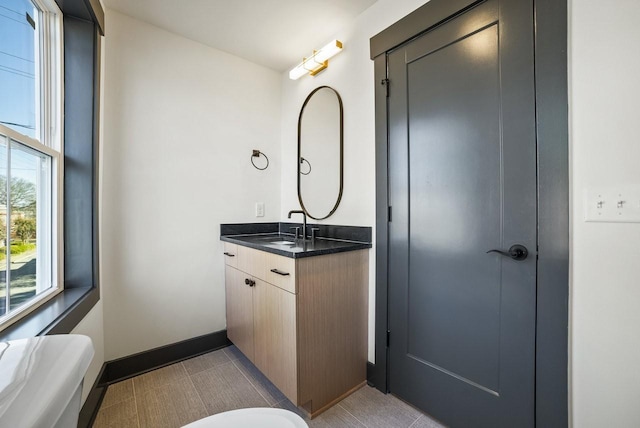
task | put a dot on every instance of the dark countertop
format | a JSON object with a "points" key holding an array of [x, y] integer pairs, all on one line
{"points": [[268, 237]]}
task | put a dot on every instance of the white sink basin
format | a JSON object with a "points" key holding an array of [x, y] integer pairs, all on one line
{"points": [[282, 243]]}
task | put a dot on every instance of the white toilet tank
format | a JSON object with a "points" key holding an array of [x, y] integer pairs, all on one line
{"points": [[41, 380]]}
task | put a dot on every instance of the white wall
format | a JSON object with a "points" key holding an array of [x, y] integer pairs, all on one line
{"points": [[181, 120], [351, 74], [604, 117], [92, 326]]}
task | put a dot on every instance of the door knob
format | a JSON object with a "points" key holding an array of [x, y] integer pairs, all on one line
{"points": [[516, 252]]}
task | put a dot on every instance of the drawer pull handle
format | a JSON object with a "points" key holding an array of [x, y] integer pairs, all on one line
{"points": [[279, 272], [229, 254]]}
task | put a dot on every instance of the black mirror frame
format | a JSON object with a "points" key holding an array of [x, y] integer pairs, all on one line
{"points": [[306, 101]]}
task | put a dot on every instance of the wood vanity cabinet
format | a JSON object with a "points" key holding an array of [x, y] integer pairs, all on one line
{"points": [[302, 322]]}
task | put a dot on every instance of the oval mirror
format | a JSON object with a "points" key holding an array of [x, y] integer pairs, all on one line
{"points": [[320, 145]]}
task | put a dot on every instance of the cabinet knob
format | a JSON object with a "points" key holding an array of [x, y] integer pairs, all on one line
{"points": [[249, 282]]}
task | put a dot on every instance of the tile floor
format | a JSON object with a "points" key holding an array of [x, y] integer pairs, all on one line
{"points": [[225, 380]]}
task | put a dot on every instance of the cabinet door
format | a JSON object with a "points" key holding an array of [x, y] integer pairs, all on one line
{"points": [[239, 299], [275, 337]]}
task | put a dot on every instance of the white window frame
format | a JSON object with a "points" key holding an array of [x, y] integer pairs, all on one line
{"points": [[49, 55]]}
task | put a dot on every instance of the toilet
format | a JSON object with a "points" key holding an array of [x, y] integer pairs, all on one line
{"points": [[52, 368], [258, 417], [41, 380]]}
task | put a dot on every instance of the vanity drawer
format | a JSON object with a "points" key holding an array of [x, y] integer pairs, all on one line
{"points": [[231, 254], [280, 271], [250, 261], [272, 268]]}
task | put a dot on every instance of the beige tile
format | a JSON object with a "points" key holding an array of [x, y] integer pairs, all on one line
{"points": [[205, 362], [375, 409], [119, 415], [264, 386], [158, 378], [170, 406], [224, 388], [117, 393], [335, 417], [425, 421]]}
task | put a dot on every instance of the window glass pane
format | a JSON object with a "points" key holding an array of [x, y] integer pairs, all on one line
{"points": [[30, 72], [26, 263], [30, 185], [18, 66]]}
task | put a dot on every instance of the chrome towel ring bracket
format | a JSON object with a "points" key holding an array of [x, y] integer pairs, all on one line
{"points": [[256, 154]]}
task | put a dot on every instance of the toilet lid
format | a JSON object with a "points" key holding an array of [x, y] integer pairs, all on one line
{"points": [[251, 418]]}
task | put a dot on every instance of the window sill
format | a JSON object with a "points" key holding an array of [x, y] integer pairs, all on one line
{"points": [[58, 316]]}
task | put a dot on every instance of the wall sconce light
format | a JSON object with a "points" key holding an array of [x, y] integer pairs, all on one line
{"points": [[317, 62]]}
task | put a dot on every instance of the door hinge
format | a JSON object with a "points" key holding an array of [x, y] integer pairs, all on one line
{"points": [[388, 337], [385, 83], [389, 214]]}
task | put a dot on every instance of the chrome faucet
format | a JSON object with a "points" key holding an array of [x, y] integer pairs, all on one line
{"points": [[304, 221]]}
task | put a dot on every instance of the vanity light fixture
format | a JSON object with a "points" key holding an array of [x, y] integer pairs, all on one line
{"points": [[317, 62]]}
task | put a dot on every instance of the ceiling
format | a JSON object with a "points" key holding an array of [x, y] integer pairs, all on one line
{"points": [[273, 33]]}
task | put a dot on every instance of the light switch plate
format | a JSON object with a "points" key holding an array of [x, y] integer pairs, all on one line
{"points": [[259, 209], [612, 204]]}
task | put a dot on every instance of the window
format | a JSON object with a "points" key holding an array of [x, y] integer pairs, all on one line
{"points": [[30, 155]]}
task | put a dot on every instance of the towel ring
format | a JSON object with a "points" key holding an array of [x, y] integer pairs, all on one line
{"points": [[256, 154], [304, 160]]}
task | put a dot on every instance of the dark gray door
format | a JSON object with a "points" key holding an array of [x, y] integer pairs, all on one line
{"points": [[462, 181]]}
